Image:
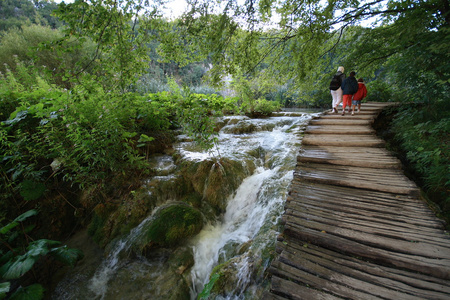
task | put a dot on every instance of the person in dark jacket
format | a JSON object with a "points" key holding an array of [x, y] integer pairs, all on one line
{"points": [[349, 87], [336, 92]]}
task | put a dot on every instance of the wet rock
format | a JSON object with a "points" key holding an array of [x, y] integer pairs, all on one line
{"points": [[141, 279], [232, 276], [172, 225], [216, 180], [240, 128]]}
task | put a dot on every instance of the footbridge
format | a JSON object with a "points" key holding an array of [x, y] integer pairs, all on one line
{"points": [[355, 227]]}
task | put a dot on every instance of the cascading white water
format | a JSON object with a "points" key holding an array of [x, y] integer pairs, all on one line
{"points": [[258, 200], [99, 282], [243, 218], [242, 234]]}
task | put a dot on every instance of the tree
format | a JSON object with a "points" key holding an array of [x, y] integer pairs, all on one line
{"points": [[15, 13], [120, 31], [309, 33]]}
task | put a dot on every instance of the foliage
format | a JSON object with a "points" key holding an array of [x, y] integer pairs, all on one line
{"points": [[209, 286], [250, 92], [422, 133], [19, 255], [119, 30], [30, 45], [85, 136], [14, 13]]}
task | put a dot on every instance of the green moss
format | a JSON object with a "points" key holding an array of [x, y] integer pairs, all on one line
{"points": [[173, 224], [215, 180], [95, 228], [193, 199]]}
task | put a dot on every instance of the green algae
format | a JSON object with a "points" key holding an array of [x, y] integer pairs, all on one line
{"points": [[173, 224]]}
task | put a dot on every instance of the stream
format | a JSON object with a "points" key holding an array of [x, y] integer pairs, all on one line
{"points": [[241, 242]]}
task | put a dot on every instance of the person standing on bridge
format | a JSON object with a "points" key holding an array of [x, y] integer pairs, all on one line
{"points": [[359, 96], [349, 88], [335, 88]]}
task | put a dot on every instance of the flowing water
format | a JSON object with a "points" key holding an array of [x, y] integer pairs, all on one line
{"points": [[241, 241]]}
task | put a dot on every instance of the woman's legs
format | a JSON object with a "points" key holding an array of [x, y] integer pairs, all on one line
{"points": [[337, 98]]}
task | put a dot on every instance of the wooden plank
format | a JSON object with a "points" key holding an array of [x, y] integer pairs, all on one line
{"points": [[368, 116], [393, 222], [339, 129], [363, 201], [291, 290], [372, 198], [336, 276], [391, 181], [341, 121], [410, 283], [414, 279], [368, 111], [383, 206], [335, 288], [343, 140], [376, 238], [394, 218], [382, 232], [349, 156], [435, 267], [269, 296]]}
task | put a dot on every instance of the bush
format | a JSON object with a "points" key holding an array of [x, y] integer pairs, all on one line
{"points": [[32, 45], [422, 131]]}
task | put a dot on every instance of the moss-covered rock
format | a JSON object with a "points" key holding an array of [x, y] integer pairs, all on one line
{"points": [[241, 127], [159, 280], [215, 180], [226, 275], [173, 224], [181, 260]]}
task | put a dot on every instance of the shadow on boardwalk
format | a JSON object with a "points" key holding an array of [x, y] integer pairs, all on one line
{"points": [[355, 226]]}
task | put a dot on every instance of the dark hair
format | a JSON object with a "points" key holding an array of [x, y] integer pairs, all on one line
{"points": [[360, 80], [352, 73]]}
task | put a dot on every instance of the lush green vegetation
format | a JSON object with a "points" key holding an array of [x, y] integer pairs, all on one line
{"points": [[23, 253], [88, 92]]}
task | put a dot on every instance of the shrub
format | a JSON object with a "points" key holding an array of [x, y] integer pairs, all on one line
{"points": [[422, 131]]}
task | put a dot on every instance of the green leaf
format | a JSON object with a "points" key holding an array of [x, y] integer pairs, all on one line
{"points": [[26, 215], [8, 227], [14, 270], [31, 190], [4, 288], [31, 292], [208, 287], [67, 255], [16, 221], [127, 134], [145, 138], [40, 247]]}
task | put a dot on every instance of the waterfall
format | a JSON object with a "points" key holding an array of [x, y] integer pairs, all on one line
{"points": [[242, 238], [243, 218], [98, 284]]}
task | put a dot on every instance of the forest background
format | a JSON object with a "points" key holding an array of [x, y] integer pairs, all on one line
{"points": [[91, 89]]}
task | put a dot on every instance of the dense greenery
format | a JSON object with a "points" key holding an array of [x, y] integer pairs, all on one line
{"points": [[14, 13], [421, 130], [23, 254], [89, 92]]}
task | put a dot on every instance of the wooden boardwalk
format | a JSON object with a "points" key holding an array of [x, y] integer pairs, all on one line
{"points": [[355, 226]]}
